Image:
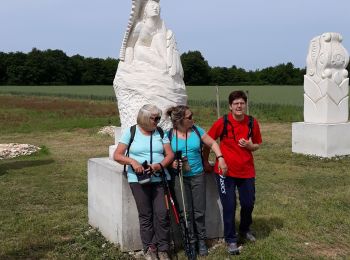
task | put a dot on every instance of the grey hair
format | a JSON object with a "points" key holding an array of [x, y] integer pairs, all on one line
{"points": [[177, 115], [145, 113]]}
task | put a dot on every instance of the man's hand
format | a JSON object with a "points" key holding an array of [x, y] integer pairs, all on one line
{"points": [[248, 144]]}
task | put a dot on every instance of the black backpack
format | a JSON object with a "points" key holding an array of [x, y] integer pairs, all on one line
{"points": [[226, 121], [132, 136]]}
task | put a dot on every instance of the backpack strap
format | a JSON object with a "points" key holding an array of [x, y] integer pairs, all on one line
{"points": [[250, 126], [170, 134], [226, 122], [160, 131], [224, 129], [132, 136], [195, 129]]}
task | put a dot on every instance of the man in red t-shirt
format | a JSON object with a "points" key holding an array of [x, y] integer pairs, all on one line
{"points": [[241, 138]]}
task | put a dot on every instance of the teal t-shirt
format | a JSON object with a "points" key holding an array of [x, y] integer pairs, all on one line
{"points": [[140, 150], [193, 150]]}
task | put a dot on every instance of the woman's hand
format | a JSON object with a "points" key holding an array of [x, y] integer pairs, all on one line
{"points": [[176, 163], [137, 167]]}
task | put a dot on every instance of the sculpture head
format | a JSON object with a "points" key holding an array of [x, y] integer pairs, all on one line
{"points": [[152, 9]]}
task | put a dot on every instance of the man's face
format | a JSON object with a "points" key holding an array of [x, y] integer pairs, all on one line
{"points": [[238, 107]]}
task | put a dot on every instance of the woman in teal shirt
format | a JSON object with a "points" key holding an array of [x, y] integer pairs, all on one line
{"points": [[148, 145], [187, 138]]}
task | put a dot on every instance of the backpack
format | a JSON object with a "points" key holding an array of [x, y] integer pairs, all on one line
{"points": [[226, 121], [132, 136]]}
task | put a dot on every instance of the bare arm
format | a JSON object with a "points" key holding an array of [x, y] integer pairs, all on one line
{"points": [[210, 143], [119, 156]]}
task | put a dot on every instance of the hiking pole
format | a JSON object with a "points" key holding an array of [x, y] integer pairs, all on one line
{"points": [[168, 197], [187, 245]]}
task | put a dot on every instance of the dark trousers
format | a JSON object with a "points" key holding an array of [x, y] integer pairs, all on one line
{"points": [[195, 202], [227, 191], [153, 215]]}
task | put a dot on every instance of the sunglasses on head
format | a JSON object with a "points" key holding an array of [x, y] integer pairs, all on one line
{"points": [[155, 119]]}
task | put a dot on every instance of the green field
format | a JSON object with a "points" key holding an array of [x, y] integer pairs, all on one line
{"points": [[302, 203], [291, 95]]}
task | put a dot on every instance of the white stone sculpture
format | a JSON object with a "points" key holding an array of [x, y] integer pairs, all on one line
{"points": [[150, 69], [325, 130], [326, 83]]}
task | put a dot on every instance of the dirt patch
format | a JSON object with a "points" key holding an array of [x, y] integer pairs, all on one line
{"points": [[67, 107]]}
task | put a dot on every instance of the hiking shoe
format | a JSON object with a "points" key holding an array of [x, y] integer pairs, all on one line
{"points": [[232, 249], [193, 251], [151, 254], [248, 236], [202, 248], [163, 256]]}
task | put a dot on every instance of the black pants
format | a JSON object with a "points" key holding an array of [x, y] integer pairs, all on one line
{"points": [[227, 191], [153, 215], [195, 202]]}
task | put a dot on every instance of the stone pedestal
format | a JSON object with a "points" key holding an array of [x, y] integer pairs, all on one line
{"points": [[113, 211], [324, 140]]}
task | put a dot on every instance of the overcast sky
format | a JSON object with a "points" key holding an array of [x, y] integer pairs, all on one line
{"points": [[250, 34]]}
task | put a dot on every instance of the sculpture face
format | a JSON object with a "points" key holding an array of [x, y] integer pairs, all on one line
{"points": [[152, 9]]}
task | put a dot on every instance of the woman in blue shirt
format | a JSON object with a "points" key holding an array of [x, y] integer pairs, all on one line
{"points": [[187, 138], [148, 145]]}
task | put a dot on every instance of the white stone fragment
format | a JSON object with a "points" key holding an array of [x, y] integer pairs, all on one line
{"points": [[12, 150]]}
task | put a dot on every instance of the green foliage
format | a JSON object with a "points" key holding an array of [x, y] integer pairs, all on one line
{"points": [[196, 68], [54, 67]]}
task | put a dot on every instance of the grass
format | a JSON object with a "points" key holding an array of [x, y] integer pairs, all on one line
{"points": [[197, 95], [302, 208]]}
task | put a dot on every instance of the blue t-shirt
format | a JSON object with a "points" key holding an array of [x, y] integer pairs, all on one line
{"points": [[193, 150], [140, 150]]}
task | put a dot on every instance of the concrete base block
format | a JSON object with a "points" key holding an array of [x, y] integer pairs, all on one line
{"points": [[324, 140], [113, 211]]}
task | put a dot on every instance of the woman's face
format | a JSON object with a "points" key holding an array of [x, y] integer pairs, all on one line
{"points": [[188, 120], [154, 120], [152, 9]]}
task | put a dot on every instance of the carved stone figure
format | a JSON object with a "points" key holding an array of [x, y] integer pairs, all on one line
{"points": [[326, 83], [150, 69]]}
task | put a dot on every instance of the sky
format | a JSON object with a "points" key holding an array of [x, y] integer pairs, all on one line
{"points": [[251, 34]]}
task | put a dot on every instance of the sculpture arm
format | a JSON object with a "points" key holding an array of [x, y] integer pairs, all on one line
{"points": [[173, 56]]}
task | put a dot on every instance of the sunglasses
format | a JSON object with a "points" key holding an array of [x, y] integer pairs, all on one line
{"points": [[189, 117], [155, 119]]}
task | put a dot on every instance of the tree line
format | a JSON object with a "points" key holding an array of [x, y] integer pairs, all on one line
{"points": [[54, 67]]}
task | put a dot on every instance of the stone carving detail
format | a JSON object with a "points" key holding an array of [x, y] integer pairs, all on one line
{"points": [[150, 69], [326, 83]]}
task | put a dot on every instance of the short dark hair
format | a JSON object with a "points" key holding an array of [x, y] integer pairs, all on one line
{"points": [[236, 95]]}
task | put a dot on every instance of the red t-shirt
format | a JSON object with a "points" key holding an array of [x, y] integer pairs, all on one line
{"points": [[239, 160]]}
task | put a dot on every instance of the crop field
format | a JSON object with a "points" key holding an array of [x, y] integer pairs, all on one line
{"points": [[302, 203], [285, 95]]}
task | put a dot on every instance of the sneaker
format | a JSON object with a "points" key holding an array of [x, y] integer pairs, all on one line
{"points": [[151, 254], [202, 248], [163, 256], [232, 249], [248, 236]]}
